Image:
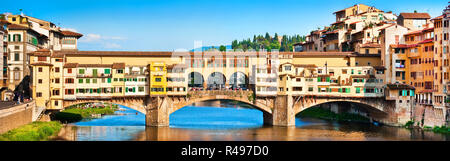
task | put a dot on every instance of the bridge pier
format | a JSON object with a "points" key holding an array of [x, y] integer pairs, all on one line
{"points": [[158, 112], [283, 112]]}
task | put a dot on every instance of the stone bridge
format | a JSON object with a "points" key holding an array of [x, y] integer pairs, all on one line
{"points": [[279, 110]]}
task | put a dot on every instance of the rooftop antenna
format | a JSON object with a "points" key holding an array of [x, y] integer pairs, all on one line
{"points": [[21, 12]]}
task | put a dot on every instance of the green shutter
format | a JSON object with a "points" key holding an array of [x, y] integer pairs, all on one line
{"points": [[348, 90], [77, 90], [94, 72], [107, 71], [20, 38], [358, 90], [9, 38], [411, 92], [80, 80], [126, 89], [319, 79], [90, 90], [109, 80], [99, 90], [328, 79], [134, 89], [340, 90], [81, 71]]}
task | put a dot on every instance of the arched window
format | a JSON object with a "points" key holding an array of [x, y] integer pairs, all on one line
{"points": [[16, 73]]}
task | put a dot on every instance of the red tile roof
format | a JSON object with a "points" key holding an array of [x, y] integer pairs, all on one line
{"points": [[70, 65], [438, 17], [95, 65], [426, 41], [415, 15], [355, 22], [41, 64], [118, 65], [71, 33], [17, 27]]}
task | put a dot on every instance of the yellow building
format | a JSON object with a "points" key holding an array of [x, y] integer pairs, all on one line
{"points": [[158, 78]]}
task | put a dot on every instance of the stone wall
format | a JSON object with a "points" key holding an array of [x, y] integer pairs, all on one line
{"points": [[14, 117]]}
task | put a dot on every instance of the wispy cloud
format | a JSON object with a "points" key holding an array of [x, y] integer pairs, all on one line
{"points": [[106, 42], [112, 46], [69, 29]]}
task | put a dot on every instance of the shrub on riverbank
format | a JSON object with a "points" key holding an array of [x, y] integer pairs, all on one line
{"points": [[75, 114], [437, 129], [36, 131], [330, 115]]}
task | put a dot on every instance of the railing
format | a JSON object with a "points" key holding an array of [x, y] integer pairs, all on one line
{"points": [[37, 113]]}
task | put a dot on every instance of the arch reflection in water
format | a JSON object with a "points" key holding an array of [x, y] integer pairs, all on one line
{"points": [[130, 126], [216, 115]]}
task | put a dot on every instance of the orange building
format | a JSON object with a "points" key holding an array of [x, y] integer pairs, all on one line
{"points": [[421, 59], [439, 96]]}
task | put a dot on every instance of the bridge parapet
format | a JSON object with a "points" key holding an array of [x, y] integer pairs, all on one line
{"points": [[238, 93]]}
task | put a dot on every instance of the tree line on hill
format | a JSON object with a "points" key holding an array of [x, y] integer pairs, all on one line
{"points": [[268, 42]]}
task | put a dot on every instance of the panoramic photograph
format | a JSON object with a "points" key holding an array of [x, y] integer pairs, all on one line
{"points": [[225, 70]]}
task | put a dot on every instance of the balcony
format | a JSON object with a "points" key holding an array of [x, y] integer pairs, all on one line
{"points": [[411, 55], [398, 65]]}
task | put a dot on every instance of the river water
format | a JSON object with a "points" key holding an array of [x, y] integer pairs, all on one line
{"points": [[228, 121]]}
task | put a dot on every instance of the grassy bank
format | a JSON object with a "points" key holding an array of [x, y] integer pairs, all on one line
{"points": [[75, 114], [437, 129], [36, 131], [330, 115]]}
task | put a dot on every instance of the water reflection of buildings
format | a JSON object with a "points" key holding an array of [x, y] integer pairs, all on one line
{"points": [[285, 134]]}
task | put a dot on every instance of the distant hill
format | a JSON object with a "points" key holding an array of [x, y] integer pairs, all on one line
{"points": [[207, 48]]}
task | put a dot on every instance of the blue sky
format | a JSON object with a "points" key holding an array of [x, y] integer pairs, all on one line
{"points": [[167, 25]]}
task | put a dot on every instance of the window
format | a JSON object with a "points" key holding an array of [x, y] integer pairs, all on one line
{"points": [[16, 57], [57, 80], [69, 80], [57, 69], [119, 71], [40, 81], [55, 92], [69, 91], [69, 70], [80, 80], [81, 71], [38, 94], [16, 75], [107, 71], [40, 69], [157, 79], [287, 68], [94, 72]]}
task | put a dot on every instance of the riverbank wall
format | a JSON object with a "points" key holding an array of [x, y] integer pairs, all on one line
{"points": [[430, 116], [13, 117]]}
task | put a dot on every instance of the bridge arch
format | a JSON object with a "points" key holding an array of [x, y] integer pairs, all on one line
{"points": [[216, 80], [238, 79], [138, 104], [374, 109], [195, 79]]}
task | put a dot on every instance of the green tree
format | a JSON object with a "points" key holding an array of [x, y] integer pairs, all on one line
{"points": [[222, 48]]}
